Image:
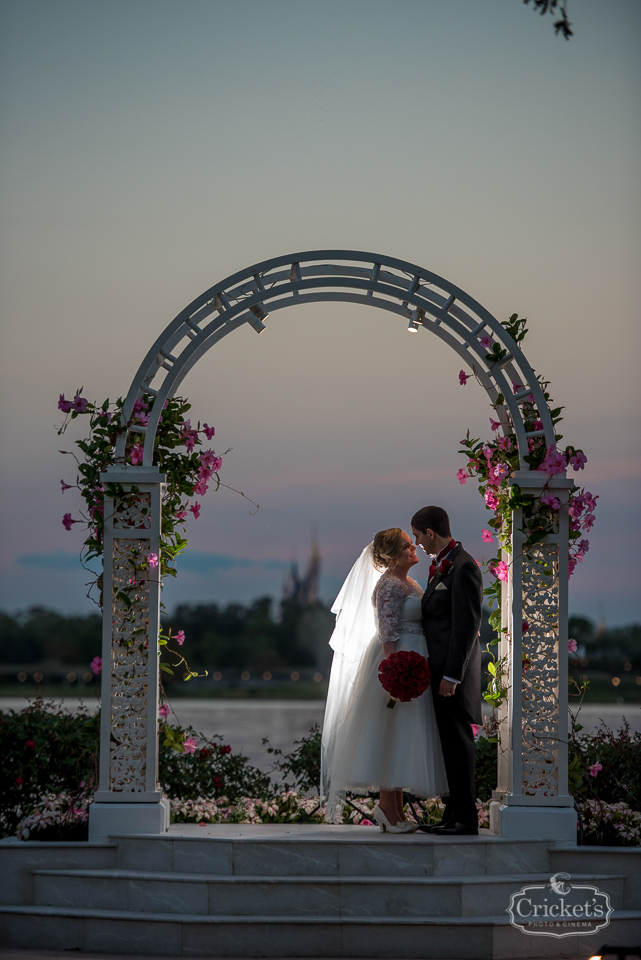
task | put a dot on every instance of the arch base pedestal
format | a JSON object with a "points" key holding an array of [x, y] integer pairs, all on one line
{"points": [[124, 819], [557, 824]]}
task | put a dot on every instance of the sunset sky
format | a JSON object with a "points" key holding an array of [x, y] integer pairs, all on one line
{"points": [[149, 148]]}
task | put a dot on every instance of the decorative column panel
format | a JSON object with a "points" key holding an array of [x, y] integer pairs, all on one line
{"points": [[532, 799], [131, 620]]}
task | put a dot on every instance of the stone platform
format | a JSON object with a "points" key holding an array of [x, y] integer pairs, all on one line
{"points": [[300, 891]]}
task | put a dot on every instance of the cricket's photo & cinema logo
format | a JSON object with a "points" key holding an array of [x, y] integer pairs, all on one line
{"points": [[560, 909]]}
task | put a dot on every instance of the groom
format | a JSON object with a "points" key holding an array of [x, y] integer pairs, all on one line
{"points": [[451, 619]]}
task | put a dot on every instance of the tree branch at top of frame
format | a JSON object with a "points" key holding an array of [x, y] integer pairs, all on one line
{"points": [[563, 25]]}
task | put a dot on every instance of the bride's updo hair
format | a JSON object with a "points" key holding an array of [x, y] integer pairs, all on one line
{"points": [[388, 545]]}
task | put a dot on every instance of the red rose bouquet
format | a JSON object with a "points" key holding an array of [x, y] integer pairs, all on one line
{"points": [[405, 675]]}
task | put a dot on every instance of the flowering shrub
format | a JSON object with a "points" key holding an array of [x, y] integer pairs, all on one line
{"points": [[612, 824], [43, 752], [206, 767], [304, 763], [62, 816], [494, 462]]}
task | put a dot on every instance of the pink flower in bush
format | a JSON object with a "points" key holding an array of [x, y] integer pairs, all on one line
{"points": [[461, 475], [164, 711], [195, 510], [551, 501], [65, 486], [488, 452], [500, 471], [180, 637], [463, 377], [500, 570], [152, 559], [505, 443], [525, 626], [181, 514], [578, 461], [495, 424], [588, 523], [486, 342], [201, 488], [79, 403], [475, 729], [571, 566], [190, 745], [225, 749], [140, 406], [96, 665], [366, 823], [30, 745], [537, 425], [67, 522], [64, 405], [596, 769], [208, 431], [487, 536], [572, 646]]}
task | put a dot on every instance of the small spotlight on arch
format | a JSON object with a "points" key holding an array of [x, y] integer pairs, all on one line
{"points": [[259, 315], [416, 320]]}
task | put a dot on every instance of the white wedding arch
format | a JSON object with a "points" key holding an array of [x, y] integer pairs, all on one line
{"points": [[531, 799]]}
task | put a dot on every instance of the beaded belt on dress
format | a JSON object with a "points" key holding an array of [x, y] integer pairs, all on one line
{"points": [[403, 629]]}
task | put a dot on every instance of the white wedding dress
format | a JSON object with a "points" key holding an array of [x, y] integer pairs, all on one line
{"points": [[367, 746]]}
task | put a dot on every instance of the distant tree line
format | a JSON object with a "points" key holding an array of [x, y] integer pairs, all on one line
{"points": [[257, 636]]}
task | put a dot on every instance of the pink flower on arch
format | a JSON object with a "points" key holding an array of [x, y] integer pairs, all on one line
{"points": [[152, 559], [80, 404], [64, 405], [67, 522], [195, 510], [200, 488], [554, 461], [596, 769], [181, 514], [491, 499], [210, 461], [486, 342], [495, 424], [180, 637], [136, 453], [589, 521], [551, 501], [578, 461], [461, 475], [463, 377], [140, 406], [164, 711], [65, 486], [488, 452], [190, 745], [208, 431], [96, 665], [475, 729], [572, 646], [500, 570], [487, 536]]}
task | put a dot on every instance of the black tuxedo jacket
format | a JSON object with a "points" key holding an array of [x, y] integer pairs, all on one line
{"points": [[451, 608]]}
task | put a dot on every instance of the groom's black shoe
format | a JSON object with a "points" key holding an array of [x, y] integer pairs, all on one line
{"points": [[432, 827], [455, 829]]}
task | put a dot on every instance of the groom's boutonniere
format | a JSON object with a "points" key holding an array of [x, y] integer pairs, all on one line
{"points": [[444, 567]]}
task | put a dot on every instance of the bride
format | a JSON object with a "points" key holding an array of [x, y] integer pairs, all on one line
{"points": [[367, 747]]}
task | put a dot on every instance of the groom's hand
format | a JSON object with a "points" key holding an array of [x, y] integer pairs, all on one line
{"points": [[447, 688]]}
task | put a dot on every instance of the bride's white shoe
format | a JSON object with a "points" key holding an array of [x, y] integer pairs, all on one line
{"points": [[385, 825]]}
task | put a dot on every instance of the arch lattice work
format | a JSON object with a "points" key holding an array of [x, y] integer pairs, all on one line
{"points": [[405, 289]]}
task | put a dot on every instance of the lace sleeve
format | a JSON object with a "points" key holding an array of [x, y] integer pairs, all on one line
{"points": [[389, 598]]}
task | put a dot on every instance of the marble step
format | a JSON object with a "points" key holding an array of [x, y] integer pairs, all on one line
{"points": [[357, 852], [174, 893], [387, 938], [18, 860]]}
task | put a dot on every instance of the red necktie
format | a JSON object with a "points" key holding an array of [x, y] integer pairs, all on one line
{"points": [[434, 563]]}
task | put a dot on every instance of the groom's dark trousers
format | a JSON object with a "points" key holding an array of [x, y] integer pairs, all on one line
{"points": [[451, 619]]}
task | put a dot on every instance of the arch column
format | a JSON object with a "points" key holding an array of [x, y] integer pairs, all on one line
{"points": [[531, 800], [129, 799]]}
